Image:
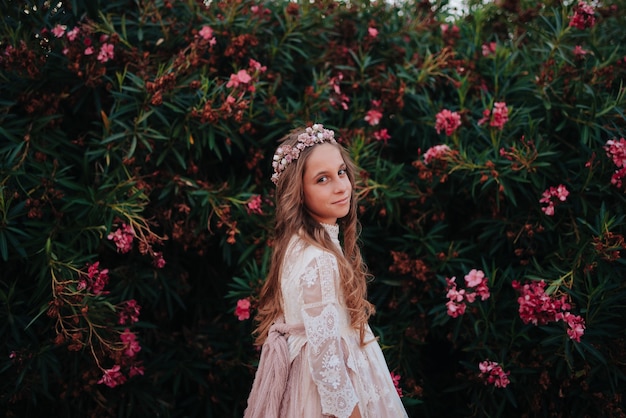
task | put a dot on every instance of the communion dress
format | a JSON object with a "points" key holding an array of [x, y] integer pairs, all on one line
{"points": [[330, 371]]}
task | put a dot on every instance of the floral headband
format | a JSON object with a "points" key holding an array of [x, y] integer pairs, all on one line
{"points": [[285, 154]]}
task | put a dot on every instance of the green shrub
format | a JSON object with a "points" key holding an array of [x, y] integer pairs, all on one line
{"points": [[136, 202]]}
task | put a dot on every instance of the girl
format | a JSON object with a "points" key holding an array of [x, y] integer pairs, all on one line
{"points": [[319, 356]]}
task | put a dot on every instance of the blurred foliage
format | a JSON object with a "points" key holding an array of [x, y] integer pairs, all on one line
{"points": [[162, 117]]}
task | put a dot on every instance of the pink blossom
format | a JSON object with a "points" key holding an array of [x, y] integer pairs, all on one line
{"points": [[373, 117], [447, 121], [157, 260], [395, 378], [254, 205], [576, 326], [131, 345], [89, 50], [242, 77], [488, 49], [382, 135], [98, 279], [129, 313], [498, 117], [373, 32], [338, 98], [135, 370], [243, 309], [59, 30], [112, 377], [579, 52], [123, 238], [551, 196], [583, 17], [616, 150], [436, 152], [255, 65], [474, 278], [72, 34], [493, 374], [539, 308], [206, 32], [106, 53]]}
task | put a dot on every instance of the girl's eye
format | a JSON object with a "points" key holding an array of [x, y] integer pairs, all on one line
{"points": [[342, 171], [322, 179]]}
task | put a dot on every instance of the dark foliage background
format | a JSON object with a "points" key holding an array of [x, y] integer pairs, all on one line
{"points": [[136, 207]]}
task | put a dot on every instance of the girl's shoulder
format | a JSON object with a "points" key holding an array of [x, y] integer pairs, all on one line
{"points": [[304, 251]]}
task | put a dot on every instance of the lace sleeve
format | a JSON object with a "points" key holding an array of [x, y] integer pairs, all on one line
{"points": [[320, 313]]}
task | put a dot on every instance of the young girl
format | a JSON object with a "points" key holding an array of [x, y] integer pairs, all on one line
{"points": [[319, 356]]}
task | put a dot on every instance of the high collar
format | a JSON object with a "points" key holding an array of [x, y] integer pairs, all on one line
{"points": [[333, 230]]}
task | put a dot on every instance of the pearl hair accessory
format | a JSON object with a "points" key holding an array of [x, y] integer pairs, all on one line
{"points": [[285, 154]]}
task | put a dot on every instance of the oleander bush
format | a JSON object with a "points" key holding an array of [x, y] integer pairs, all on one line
{"points": [[136, 205]]}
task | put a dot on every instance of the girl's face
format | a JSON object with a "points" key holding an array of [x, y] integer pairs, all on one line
{"points": [[327, 188]]}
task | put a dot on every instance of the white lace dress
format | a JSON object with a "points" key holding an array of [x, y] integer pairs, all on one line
{"points": [[330, 372]]}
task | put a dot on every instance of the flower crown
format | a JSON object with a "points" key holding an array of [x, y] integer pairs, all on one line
{"points": [[285, 154]]}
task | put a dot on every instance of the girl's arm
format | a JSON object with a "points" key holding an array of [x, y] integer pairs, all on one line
{"points": [[327, 357]]}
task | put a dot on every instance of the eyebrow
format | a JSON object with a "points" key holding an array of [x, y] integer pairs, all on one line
{"points": [[319, 173]]}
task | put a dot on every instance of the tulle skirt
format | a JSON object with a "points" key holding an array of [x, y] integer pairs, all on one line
{"points": [[378, 397]]}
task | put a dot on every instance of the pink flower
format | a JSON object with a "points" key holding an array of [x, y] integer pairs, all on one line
{"points": [[255, 65], [98, 279], [576, 326], [488, 49], [493, 374], [617, 151], [474, 278], [382, 135], [130, 312], [498, 117], [579, 52], [373, 117], [135, 370], [373, 32], [539, 308], [157, 260], [123, 238], [548, 197], [131, 345], [254, 205], [242, 77], [447, 121], [395, 378], [206, 32], [106, 53], [243, 309], [72, 34], [89, 50], [112, 377], [583, 17], [436, 152], [59, 30]]}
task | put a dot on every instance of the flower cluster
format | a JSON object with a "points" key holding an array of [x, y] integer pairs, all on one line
{"points": [[616, 150], [551, 196], [496, 118], [254, 205], [436, 152], [375, 114], [95, 280], [125, 358], [494, 374], [129, 312], [583, 16], [447, 121], [285, 154], [243, 309], [123, 238], [476, 285], [539, 308]]}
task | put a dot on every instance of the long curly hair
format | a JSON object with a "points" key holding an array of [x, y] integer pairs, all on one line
{"points": [[292, 217]]}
